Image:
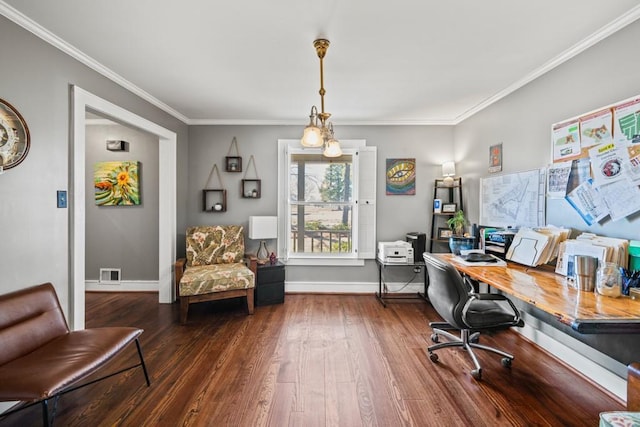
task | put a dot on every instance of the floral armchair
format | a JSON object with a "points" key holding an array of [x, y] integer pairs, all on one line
{"points": [[215, 267]]}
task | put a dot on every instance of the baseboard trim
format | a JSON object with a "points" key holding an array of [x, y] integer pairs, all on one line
{"points": [[124, 286], [350, 287]]}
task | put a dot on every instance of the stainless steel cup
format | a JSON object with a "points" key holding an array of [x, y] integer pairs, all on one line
{"points": [[585, 268]]}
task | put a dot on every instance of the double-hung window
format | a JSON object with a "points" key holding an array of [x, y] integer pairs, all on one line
{"points": [[326, 208]]}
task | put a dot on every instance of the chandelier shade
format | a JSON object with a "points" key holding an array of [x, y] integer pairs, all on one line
{"points": [[319, 131]]}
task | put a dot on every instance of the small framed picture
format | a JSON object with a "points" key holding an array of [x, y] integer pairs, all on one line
{"points": [[437, 205], [444, 233], [449, 207]]}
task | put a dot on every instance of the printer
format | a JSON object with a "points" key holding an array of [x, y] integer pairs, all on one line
{"points": [[398, 252]]}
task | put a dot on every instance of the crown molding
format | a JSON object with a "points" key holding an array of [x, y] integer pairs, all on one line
{"points": [[233, 122], [35, 28], [604, 32], [41, 32]]}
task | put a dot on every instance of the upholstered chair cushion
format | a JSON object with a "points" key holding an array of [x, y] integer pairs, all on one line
{"points": [[207, 245], [205, 279]]}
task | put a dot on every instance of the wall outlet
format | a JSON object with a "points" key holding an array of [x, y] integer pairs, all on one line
{"points": [[62, 199]]}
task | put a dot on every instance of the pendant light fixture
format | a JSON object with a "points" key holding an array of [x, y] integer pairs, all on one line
{"points": [[319, 131]]}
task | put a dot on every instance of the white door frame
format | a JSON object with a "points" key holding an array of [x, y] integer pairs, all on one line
{"points": [[83, 100]]}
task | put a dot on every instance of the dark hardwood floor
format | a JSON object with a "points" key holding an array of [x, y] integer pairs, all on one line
{"points": [[316, 360]]}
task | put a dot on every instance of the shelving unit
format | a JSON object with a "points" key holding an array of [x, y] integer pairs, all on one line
{"points": [[448, 194]]}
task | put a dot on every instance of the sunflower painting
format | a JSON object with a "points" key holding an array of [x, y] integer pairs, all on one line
{"points": [[116, 183]]}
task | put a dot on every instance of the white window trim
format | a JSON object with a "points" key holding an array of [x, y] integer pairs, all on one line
{"points": [[352, 259]]}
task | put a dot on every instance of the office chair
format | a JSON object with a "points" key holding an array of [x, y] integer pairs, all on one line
{"points": [[467, 311]]}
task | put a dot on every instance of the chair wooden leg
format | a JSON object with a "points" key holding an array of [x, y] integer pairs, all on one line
{"points": [[184, 309], [250, 300]]}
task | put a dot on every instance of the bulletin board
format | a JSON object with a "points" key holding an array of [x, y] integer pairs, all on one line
{"points": [[596, 162]]}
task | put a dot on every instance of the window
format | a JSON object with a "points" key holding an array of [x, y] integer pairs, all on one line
{"points": [[323, 220]]}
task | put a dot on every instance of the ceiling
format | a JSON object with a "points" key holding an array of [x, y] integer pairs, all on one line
{"points": [[253, 62]]}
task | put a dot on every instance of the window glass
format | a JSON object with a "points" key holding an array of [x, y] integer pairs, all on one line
{"points": [[321, 204]]}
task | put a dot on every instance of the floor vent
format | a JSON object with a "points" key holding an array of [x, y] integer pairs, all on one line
{"points": [[110, 276]]}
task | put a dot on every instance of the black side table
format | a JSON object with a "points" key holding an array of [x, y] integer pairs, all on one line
{"points": [[270, 284]]}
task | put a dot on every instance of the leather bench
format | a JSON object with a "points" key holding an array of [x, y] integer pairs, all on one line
{"points": [[41, 359]]}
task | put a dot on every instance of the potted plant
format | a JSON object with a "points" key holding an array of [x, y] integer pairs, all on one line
{"points": [[459, 240]]}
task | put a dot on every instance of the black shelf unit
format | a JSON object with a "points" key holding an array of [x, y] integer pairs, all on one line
{"points": [[448, 194]]}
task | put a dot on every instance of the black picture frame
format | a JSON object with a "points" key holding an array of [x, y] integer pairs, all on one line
{"points": [[444, 233], [449, 207]]}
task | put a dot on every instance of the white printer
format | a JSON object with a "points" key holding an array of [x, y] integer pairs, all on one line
{"points": [[398, 252]]}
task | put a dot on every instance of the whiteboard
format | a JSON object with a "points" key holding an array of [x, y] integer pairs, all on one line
{"points": [[513, 200]]}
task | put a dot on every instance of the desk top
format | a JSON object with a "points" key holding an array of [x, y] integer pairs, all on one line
{"points": [[585, 312]]}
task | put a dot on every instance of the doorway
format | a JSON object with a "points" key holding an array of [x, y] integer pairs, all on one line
{"points": [[84, 101]]}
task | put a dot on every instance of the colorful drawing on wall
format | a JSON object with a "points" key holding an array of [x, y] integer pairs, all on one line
{"points": [[401, 177], [495, 158], [116, 183]]}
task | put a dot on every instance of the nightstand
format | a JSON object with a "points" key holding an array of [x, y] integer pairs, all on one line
{"points": [[270, 284]]}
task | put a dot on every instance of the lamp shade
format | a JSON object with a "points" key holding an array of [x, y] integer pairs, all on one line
{"points": [[448, 169], [312, 136], [332, 149], [263, 227]]}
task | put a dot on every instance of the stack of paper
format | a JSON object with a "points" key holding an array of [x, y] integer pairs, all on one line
{"points": [[536, 246], [606, 249]]}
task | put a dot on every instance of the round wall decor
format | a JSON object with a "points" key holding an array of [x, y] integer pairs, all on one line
{"points": [[14, 136]]}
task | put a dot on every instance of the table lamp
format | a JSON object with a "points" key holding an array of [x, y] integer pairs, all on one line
{"points": [[449, 172], [262, 228]]}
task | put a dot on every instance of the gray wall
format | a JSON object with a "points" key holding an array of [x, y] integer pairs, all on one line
{"points": [[522, 122], [124, 237], [396, 215], [35, 234]]}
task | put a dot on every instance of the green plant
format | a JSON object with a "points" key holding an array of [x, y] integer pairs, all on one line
{"points": [[457, 223]]}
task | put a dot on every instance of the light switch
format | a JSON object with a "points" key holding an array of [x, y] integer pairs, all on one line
{"points": [[62, 199]]}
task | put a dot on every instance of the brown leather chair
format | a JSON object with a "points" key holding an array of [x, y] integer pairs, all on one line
{"points": [[41, 359]]}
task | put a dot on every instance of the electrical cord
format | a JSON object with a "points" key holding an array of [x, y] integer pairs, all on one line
{"points": [[386, 288]]}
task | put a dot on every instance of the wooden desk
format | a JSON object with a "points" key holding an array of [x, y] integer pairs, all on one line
{"points": [[585, 312]]}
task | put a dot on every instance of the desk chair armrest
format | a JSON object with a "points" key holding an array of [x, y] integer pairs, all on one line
{"points": [[496, 297], [488, 297]]}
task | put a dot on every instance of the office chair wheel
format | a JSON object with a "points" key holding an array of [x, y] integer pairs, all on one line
{"points": [[433, 357], [477, 374], [506, 362], [475, 338], [434, 338]]}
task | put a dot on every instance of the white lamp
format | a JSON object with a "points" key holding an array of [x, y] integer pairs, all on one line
{"points": [[262, 228], [448, 171]]}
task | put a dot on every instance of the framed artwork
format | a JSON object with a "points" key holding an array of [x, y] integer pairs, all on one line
{"points": [[116, 183], [449, 207], [444, 233], [14, 137], [495, 158], [401, 177]]}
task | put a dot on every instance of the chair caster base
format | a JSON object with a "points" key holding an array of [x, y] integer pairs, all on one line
{"points": [[506, 362], [435, 338], [433, 357], [477, 374]]}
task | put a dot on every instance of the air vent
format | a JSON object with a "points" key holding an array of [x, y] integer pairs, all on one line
{"points": [[110, 276]]}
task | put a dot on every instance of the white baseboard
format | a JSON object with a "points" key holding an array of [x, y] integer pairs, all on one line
{"points": [[349, 288], [124, 286]]}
